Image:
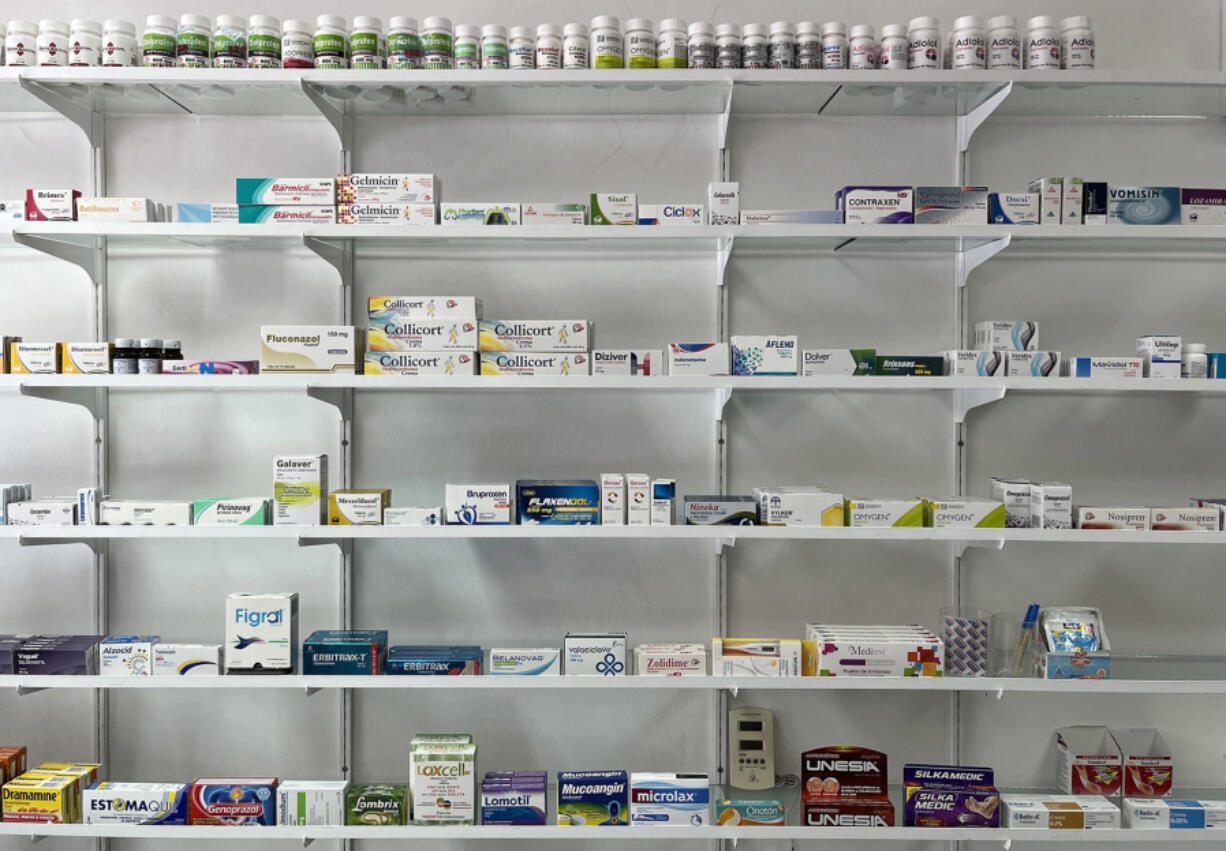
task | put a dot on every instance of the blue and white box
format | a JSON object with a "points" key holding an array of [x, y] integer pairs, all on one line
{"points": [[207, 213], [672, 799], [1143, 205], [671, 214], [262, 633], [595, 654], [1162, 355], [963, 362], [1006, 336], [1032, 364], [478, 505], [770, 354], [1125, 366], [186, 660], [698, 359], [1007, 208], [525, 662], [126, 655], [134, 803], [1172, 814]]}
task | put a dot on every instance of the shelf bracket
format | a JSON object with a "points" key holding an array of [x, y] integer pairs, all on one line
{"points": [[722, 396], [967, 398], [86, 397], [34, 541], [334, 115], [311, 691], [967, 260], [718, 544], [24, 690], [734, 690], [722, 128], [340, 398], [969, 123], [307, 840], [1000, 694], [734, 841], [36, 838], [65, 106], [721, 261], [335, 252], [78, 255], [343, 544], [961, 546], [1008, 843]]}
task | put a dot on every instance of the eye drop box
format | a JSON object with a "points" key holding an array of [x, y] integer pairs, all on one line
{"points": [[1071, 206], [1185, 519], [443, 779], [628, 362], [638, 499], [535, 335], [1006, 336], [479, 213], [534, 363], [765, 355], [126, 655], [300, 191], [593, 799], [1172, 814], [1143, 205], [1051, 196], [261, 633], [1149, 769], [1032, 364], [595, 654], [1161, 355], [682, 800], [799, 506], [1202, 206], [1051, 506], [974, 363], [966, 513], [724, 203], [386, 188], [310, 348], [86, 358], [875, 205], [1005, 208], [478, 505], [303, 803], [251, 511], [356, 507], [34, 358], [1088, 761], [1059, 812], [413, 516], [300, 490], [612, 499], [698, 359], [614, 208], [553, 214], [839, 362], [884, 512], [529, 662], [186, 660]]}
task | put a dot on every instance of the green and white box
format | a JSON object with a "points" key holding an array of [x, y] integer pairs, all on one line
{"points": [[300, 490], [479, 213], [839, 362], [614, 208], [227, 511], [884, 512], [966, 513], [311, 803], [553, 214]]}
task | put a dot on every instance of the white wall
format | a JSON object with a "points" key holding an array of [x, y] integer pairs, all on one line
{"points": [[186, 445]]}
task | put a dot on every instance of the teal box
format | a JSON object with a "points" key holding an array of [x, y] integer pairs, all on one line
{"points": [[285, 190], [286, 214], [574, 502], [345, 651]]}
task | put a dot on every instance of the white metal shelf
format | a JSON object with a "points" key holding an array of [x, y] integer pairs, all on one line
{"points": [[306, 835]]}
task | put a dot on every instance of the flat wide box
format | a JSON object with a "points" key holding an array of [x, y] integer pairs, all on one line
{"points": [[310, 348]]}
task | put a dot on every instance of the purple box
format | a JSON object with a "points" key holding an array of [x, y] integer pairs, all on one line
{"points": [[211, 367], [883, 205], [949, 796], [57, 655], [1202, 206]]}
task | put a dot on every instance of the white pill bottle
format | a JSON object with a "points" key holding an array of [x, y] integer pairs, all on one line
{"points": [[924, 44], [1077, 44], [1042, 44], [1004, 48]]}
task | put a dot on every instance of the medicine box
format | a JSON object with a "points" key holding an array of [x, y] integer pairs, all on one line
{"points": [[638, 499], [383, 213], [716, 510], [1143, 205], [186, 660], [792, 217], [303, 803], [51, 205], [663, 494], [909, 654], [241, 801], [1124, 366], [612, 208], [514, 797], [379, 804], [447, 660], [839, 362], [126, 655], [207, 213], [593, 799], [1088, 761], [478, 505], [211, 367], [671, 214], [724, 203], [951, 205], [1016, 496], [698, 359], [861, 512], [553, 214], [670, 660], [909, 365], [1035, 364], [51, 511], [1149, 769], [386, 308], [46, 801], [1005, 208], [595, 654], [1202, 206], [114, 210], [261, 633], [1071, 205], [1172, 814], [1051, 505], [1059, 812], [525, 662], [413, 516], [421, 363], [286, 215], [535, 335], [301, 191], [612, 499], [1094, 203], [345, 651], [628, 362], [34, 358], [386, 188], [880, 205], [534, 363], [358, 507], [683, 800], [1006, 336], [765, 355], [1078, 664], [1095, 517], [755, 657], [965, 513], [767, 812], [1051, 197], [799, 506], [300, 490], [138, 512], [949, 796], [86, 358], [573, 502], [251, 511], [442, 781], [394, 333], [1161, 355], [974, 363], [479, 213], [1185, 519], [310, 348], [134, 803], [12, 211]]}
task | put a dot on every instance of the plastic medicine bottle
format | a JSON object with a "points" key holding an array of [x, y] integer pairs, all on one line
{"points": [[924, 43], [1195, 363], [158, 42], [1077, 44], [297, 45], [331, 41], [1004, 49], [640, 43], [84, 43], [548, 47], [834, 45], [1042, 44], [194, 42], [727, 46], [467, 47], [781, 50], [52, 42], [436, 44], [367, 44], [574, 47], [673, 44], [607, 50], [264, 42], [969, 48], [809, 45], [862, 47], [494, 47], [230, 42], [893, 53], [403, 44], [21, 43], [118, 44], [700, 49], [755, 46]]}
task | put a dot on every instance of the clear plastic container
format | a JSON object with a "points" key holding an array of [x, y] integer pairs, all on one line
{"points": [[84, 43], [230, 42], [403, 44], [158, 42], [574, 47], [781, 49], [494, 56], [194, 42], [264, 42], [728, 46], [118, 44], [53, 43], [367, 44]]}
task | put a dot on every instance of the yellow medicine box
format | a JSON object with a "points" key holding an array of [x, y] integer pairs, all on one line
{"points": [[356, 507], [48, 800], [34, 358]]}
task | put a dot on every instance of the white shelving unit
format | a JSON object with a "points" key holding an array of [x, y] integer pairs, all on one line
{"points": [[86, 97]]}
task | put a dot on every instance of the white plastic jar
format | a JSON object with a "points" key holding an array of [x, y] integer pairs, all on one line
{"points": [[1077, 44], [194, 42], [574, 47], [673, 44], [403, 44], [1004, 49], [755, 46], [466, 50], [230, 42], [608, 49], [494, 48], [969, 45], [1042, 44], [522, 49], [21, 43], [331, 39], [264, 42], [1194, 362], [834, 45], [862, 48], [727, 46], [367, 44], [809, 45], [297, 45], [781, 51], [700, 49], [84, 43], [924, 43], [436, 44], [118, 43], [548, 47], [52, 43], [892, 55], [158, 42], [640, 43]]}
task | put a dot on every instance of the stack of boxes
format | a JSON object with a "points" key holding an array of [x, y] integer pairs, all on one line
{"points": [[845, 786], [530, 347], [386, 199], [422, 335], [286, 200], [513, 797]]}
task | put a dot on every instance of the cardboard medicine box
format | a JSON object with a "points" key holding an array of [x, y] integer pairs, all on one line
{"points": [[1149, 769], [1088, 761]]}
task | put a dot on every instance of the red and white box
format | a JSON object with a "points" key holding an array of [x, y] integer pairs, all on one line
{"points": [[1089, 761], [1149, 770], [51, 205]]}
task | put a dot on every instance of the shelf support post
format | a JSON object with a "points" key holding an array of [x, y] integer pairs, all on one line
{"points": [[722, 126], [338, 254], [334, 115], [967, 260], [79, 115], [969, 123]]}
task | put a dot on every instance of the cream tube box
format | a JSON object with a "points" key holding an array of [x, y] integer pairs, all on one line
{"points": [[251, 511], [388, 307], [399, 334], [310, 348], [376, 213], [628, 362], [136, 512], [299, 191], [201, 213], [698, 359], [838, 362], [413, 516], [421, 363], [479, 213], [1185, 519], [1059, 812], [671, 214], [114, 210], [300, 490], [553, 214], [534, 363], [614, 208], [535, 335], [1172, 814], [286, 215], [1137, 519], [386, 188]]}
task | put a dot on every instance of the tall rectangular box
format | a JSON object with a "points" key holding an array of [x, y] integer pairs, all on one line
{"points": [[261, 633]]}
